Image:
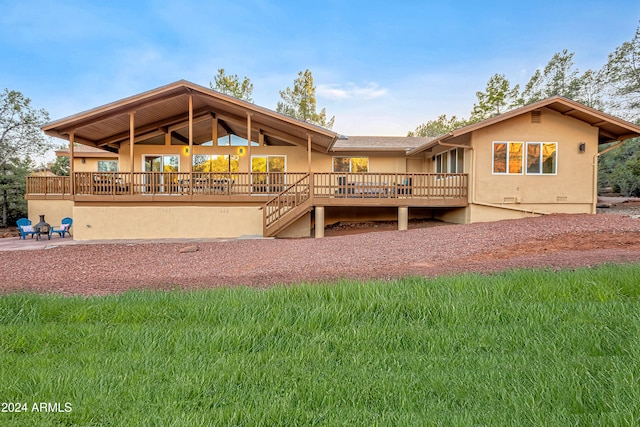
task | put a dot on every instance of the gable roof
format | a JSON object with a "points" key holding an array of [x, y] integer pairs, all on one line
{"points": [[80, 150], [165, 109], [610, 128]]}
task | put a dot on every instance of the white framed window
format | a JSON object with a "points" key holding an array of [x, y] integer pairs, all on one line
{"points": [[350, 164], [451, 161], [542, 158], [508, 157]]}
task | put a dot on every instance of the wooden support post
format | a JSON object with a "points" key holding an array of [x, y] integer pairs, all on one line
{"points": [[403, 218], [319, 211], [214, 131], [132, 137], [190, 167], [71, 162], [249, 145], [309, 153]]}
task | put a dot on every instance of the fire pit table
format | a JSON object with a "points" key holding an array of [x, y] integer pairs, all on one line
{"points": [[42, 228]]}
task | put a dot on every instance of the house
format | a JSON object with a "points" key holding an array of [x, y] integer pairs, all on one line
{"points": [[192, 162], [91, 159]]}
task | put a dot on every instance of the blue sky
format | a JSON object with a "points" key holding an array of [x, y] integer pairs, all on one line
{"points": [[381, 67]]}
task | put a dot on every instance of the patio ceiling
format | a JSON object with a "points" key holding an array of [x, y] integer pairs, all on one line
{"points": [[166, 110]]}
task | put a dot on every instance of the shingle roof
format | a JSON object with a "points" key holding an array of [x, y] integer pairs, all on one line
{"points": [[80, 150], [379, 143]]}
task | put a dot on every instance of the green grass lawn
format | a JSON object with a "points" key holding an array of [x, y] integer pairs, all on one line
{"points": [[520, 348]]}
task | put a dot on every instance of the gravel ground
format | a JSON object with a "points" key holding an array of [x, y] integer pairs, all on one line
{"points": [[554, 241]]}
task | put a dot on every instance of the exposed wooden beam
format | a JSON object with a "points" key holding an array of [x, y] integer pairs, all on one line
{"points": [[225, 126], [273, 132], [180, 138], [609, 135], [600, 123], [162, 125], [196, 119], [149, 135]]}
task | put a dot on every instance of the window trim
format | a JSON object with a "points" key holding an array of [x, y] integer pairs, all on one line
{"points": [[493, 158], [541, 173]]}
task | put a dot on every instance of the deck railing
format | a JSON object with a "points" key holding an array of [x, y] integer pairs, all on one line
{"points": [[390, 185], [58, 185], [325, 185], [292, 197]]}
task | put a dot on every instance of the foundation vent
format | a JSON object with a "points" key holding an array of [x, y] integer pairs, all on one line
{"points": [[561, 199], [536, 116]]}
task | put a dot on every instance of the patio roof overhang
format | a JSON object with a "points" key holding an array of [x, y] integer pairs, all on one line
{"points": [[166, 110], [610, 128]]}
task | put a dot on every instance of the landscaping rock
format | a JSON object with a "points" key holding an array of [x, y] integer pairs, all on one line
{"points": [[188, 249]]}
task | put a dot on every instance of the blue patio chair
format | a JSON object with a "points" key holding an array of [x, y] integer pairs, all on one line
{"points": [[25, 228], [65, 225]]}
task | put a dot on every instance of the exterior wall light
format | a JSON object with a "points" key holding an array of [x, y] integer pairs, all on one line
{"points": [[582, 147]]}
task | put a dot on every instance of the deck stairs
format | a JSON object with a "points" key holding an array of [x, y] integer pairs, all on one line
{"points": [[288, 206]]}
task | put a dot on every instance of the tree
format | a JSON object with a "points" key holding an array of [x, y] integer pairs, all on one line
{"points": [[300, 102], [497, 98], [230, 85], [13, 183], [440, 126], [20, 138], [623, 74], [61, 166], [559, 77], [592, 89]]}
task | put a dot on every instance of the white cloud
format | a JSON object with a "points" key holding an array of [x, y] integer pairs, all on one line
{"points": [[351, 91]]}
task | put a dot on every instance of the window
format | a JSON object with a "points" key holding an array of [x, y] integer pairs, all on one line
{"points": [[107, 165], [350, 164], [268, 173], [161, 163], [234, 141], [542, 158], [507, 157], [213, 163], [451, 161]]}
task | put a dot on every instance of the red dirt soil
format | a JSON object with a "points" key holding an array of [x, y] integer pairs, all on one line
{"points": [[553, 241]]}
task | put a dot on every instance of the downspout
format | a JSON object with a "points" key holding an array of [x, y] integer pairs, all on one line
{"points": [[595, 174]]}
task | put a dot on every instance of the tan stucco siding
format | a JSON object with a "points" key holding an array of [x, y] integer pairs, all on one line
{"points": [[53, 210], [89, 164], [573, 184], [151, 222], [296, 158]]}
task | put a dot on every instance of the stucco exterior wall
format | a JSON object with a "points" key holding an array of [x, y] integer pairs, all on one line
{"points": [[300, 228], [53, 210], [89, 164], [570, 190], [151, 222], [296, 158]]}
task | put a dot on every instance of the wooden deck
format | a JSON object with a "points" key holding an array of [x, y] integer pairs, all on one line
{"points": [[326, 189]]}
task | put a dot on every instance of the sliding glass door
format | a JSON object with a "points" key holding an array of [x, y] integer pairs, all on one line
{"points": [[161, 173], [268, 174]]}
